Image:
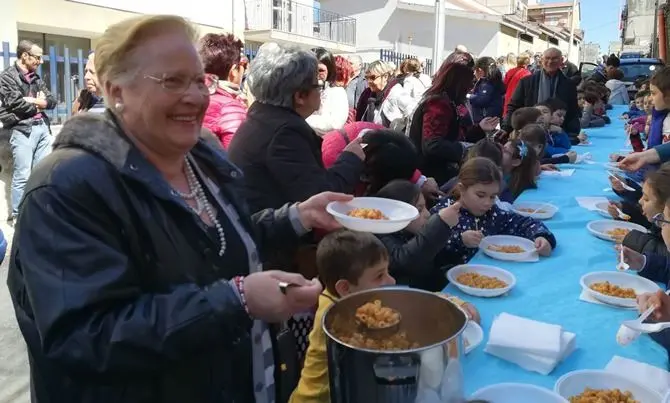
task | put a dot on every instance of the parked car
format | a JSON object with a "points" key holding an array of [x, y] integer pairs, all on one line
{"points": [[633, 69]]}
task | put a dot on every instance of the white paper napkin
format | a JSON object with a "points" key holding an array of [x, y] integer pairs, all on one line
{"points": [[648, 375], [526, 335], [589, 203], [586, 297], [533, 362], [561, 173]]}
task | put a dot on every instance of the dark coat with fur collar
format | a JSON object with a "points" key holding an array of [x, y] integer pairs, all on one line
{"points": [[118, 291]]}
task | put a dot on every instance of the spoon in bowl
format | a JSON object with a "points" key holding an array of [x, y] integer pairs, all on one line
{"points": [[621, 214]]}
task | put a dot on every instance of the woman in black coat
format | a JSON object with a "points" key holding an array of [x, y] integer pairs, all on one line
{"points": [[135, 267]]}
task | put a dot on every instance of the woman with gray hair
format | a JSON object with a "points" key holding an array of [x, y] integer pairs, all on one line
{"points": [[279, 153], [135, 270]]}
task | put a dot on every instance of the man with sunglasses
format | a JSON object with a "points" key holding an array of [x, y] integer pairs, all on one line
{"points": [[25, 98]]}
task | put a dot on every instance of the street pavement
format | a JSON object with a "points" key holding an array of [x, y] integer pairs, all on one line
{"points": [[14, 374]]}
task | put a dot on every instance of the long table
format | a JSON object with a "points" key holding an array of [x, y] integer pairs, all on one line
{"points": [[549, 290]]}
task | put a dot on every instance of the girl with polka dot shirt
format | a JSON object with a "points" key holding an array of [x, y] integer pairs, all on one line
{"points": [[477, 189]]}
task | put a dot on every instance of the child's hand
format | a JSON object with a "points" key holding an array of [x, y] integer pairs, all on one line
{"points": [[555, 129], [572, 156], [543, 246], [624, 116], [450, 215], [582, 137], [635, 260], [471, 239], [612, 209], [549, 167], [616, 185], [489, 124], [660, 300], [472, 312], [614, 157]]}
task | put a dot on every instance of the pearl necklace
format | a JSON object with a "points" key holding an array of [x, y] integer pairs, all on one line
{"points": [[202, 203]]}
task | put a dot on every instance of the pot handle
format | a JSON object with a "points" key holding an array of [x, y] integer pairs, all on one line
{"points": [[396, 370]]}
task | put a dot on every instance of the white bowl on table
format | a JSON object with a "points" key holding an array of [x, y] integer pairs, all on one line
{"points": [[545, 210], [490, 271], [507, 240], [517, 393], [474, 335], [398, 214], [666, 398], [599, 228], [640, 284], [573, 383]]}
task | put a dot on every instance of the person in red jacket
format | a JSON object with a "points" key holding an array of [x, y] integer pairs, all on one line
{"points": [[224, 66], [513, 77]]}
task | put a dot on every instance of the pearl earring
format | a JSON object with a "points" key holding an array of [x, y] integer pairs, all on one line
{"points": [[119, 106]]}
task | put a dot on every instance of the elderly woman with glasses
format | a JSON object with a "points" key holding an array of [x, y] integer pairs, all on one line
{"points": [[224, 68], [278, 151], [135, 270]]}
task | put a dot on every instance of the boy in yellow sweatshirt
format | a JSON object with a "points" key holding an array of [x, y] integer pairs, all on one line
{"points": [[347, 261]]}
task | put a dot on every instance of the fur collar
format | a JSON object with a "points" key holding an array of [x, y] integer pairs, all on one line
{"points": [[99, 133]]}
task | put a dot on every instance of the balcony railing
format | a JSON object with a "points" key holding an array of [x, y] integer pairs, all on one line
{"points": [[301, 19]]}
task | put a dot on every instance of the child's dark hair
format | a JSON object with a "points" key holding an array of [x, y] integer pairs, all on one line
{"points": [[659, 182], [640, 82], [523, 176], [524, 116], [642, 94], [661, 79], [554, 104], [591, 97], [389, 155], [491, 71], [487, 149], [345, 255], [533, 135], [401, 190], [477, 170]]}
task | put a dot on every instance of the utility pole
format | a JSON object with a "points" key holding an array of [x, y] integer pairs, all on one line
{"points": [[572, 28], [654, 33], [438, 43]]}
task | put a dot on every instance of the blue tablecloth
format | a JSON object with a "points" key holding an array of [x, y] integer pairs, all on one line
{"points": [[549, 290]]}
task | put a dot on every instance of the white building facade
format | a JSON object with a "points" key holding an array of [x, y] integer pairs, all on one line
{"points": [[486, 27]]}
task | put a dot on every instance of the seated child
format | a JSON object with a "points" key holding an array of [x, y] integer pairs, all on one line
{"points": [[477, 189], [655, 190], [589, 119], [347, 262], [493, 151], [656, 267], [524, 116], [637, 108], [412, 251], [535, 136], [558, 142]]}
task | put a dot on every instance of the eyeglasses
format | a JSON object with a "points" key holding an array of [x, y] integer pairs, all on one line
{"points": [[37, 57], [179, 84], [371, 78], [659, 220], [320, 85]]}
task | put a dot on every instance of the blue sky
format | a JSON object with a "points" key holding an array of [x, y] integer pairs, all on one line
{"points": [[600, 21]]}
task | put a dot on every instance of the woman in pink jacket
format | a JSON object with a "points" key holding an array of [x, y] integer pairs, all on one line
{"points": [[224, 66]]}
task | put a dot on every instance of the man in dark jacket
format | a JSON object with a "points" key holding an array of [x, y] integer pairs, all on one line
{"points": [[547, 82], [24, 98], [358, 83]]}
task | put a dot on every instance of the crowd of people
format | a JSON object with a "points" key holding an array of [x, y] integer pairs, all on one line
{"points": [[151, 243]]}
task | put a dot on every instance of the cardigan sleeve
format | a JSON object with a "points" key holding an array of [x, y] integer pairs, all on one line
{"points": [[333, 113]]}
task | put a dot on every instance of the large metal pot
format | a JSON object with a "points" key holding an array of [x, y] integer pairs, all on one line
{"points": [[430, 373]]}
